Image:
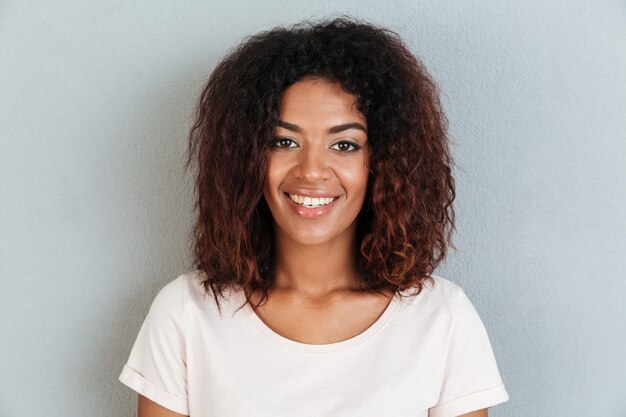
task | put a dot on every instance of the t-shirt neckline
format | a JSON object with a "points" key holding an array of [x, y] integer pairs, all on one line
{"points": [[275, 337]]}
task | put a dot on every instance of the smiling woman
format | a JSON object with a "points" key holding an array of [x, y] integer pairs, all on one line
{"points": [[324, 199], [316, 169]]}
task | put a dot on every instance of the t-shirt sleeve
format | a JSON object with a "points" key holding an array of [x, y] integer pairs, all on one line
{"points": [[157, 365], [471, 380]]}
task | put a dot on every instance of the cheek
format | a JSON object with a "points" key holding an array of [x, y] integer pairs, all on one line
{"points": [[273, 178], [357, 177], [267, 186]]}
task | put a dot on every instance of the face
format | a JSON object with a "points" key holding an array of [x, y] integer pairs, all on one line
{"points": [[317, 171]]}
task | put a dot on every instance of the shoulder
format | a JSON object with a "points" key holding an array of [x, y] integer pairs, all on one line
{"points": [[187, 293], [443, 285], [185, 286], [438, 293], [172, 297], [443, 304]]}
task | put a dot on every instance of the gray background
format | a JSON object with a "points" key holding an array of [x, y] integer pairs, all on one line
{"points": [[95, 210]]}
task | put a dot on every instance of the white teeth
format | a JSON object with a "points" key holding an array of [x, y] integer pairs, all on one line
{"points": [[309, 201]]}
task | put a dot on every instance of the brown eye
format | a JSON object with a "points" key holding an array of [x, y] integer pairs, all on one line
{"points": [[346, 146], [283, 143]]}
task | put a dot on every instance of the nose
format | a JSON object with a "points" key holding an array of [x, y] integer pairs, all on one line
{"points": [[312, 165]]}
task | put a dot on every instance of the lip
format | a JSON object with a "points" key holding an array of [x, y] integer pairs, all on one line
{"points": [[310, 213], [311, 193]]}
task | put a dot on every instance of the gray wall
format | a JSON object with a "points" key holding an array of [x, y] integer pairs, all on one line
{"points": [[95, 210]]}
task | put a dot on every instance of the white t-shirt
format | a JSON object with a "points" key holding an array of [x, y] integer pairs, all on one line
{"points": [[428, 353]]}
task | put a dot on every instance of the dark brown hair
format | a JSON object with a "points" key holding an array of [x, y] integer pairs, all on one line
{"points": [[407, 219]]}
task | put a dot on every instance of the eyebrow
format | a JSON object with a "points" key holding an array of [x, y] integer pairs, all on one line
{"points": [[334, 129]]}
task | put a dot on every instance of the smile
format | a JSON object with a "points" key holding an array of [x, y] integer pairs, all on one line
{"points": [[310, 207], [310, 202]]}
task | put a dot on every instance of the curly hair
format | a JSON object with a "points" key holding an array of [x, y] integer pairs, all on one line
{"points": [[407, 219]]}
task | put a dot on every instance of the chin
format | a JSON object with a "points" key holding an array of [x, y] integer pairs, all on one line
{"points": [[315, 238]]}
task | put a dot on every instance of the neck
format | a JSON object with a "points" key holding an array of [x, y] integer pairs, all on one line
{"points": [[319, 269]]}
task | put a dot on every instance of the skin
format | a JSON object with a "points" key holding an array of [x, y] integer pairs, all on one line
{"points": [[148, 408], [315, 257], [316, 297], [477, 413], [321, 145]]}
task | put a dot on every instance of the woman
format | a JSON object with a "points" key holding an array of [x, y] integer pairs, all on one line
{"points": [[324, 205]]}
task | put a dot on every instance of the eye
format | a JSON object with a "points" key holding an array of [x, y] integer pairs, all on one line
{"points": [[282, 143], [345, 146]]}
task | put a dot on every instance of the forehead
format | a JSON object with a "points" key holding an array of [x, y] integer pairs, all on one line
{"points": [[318, 101]]}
